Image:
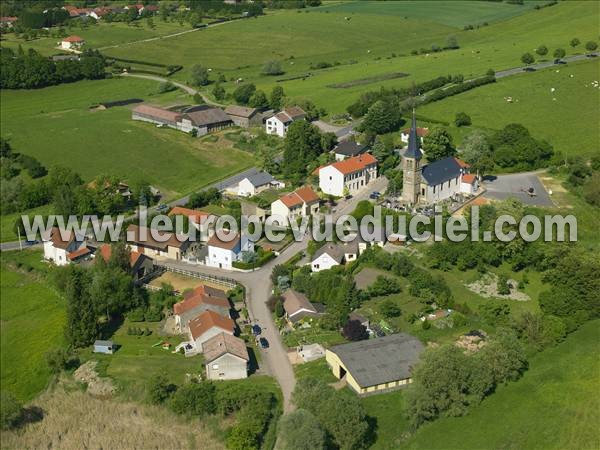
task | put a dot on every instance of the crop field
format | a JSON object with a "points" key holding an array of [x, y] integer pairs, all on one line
{"points": [[32, 315], [455, 14], [554, 406], [62, 130], [375, 42], [562, 93]]}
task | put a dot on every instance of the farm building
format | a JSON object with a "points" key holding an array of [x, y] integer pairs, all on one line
{"points": [[170, 246], [107, 347], [279, 123], [375, 365], [72, 43], [348, 176], [226, 357], [348, 149], [203, 119], [243, 116], [300, 203], [64, 248], [207, 325]]}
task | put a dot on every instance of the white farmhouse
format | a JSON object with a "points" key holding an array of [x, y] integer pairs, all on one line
{"points": [[300, 203], [223, 252], [72, 43], [326, 257], [256, 183], [62, 249], [348, 176], [279, 123], [225, 357], [207, 325]]}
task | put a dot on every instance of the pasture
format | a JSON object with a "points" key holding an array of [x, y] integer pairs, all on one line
{"points": [[33, 316], [373, 43], [549, 102], [554, 406], [56, 126]]}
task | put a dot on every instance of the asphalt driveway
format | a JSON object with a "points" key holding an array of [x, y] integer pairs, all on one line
{"points": [[502, 187]]}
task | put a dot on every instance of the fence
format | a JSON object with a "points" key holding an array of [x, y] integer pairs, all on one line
{"points": [[229, 282]]}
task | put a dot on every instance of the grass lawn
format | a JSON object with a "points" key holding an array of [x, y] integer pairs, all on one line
{"points": [[315, 369], [32, 315], [554, 406], [554, 116], [7, 222], [313, 335], [137, 361], [64, 131], [387, 411]]}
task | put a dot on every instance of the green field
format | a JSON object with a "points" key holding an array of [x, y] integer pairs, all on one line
{"points": [[55, 125], [376, 41], [561, 123], [456, 13], [555, 405], [32, 315]]}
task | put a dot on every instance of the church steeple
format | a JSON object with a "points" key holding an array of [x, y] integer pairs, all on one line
{"points": [[414, 142]]}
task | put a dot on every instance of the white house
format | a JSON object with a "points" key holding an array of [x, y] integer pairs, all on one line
{"points": [[225, 357], [279, 123], [256, 183], [348, 176], [469, 184], [72, 43], [207, 325], [327, 256], [62, 249], [223, 252], [405, 134], [300, 203]]}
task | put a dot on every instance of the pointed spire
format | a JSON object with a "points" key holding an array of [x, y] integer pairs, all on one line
{"points": [[414, 142]]}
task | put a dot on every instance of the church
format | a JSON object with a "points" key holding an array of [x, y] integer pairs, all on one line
{"points": [[432, 182]]}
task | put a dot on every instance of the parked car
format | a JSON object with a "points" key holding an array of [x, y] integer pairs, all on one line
{"points": [[263, 343], [256, 330], [162, 207], [373, 196]]}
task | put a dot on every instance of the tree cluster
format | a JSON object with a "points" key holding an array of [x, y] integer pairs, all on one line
{"points": [[31, 70]]}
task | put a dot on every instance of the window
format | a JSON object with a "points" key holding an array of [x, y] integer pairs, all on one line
{"points": [[215, 367]]}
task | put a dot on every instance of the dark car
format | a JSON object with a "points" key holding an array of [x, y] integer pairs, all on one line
{"points": [[263, 343], [162, 207], [256, 330], [373, 196]]}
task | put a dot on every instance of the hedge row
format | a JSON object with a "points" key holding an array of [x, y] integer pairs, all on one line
{"points": [[262, 260], [440, 94]]}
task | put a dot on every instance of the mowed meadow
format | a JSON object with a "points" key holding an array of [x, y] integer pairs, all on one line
{"points": [[370, 39], [559, 105], [57, 126]]}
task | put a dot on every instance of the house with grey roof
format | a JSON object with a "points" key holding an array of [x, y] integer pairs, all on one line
{"points": [[255, 183], [297, 307], [348, 149], [376, 365], [279, 123], [327, 256]]}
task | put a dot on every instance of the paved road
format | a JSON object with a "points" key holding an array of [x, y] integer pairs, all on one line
{"points": [[542, 65], [258, 289], [514, 185]]}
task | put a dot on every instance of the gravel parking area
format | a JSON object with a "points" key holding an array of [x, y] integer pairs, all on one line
{"points": [[514, 185]]}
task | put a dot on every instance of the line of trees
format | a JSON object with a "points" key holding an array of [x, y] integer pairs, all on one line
{"points": [[31, 70]]}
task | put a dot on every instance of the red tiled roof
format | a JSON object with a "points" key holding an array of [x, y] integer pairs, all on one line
{"points": [[421, 132], [302, 195], [228, 244], [159, 113], [199, 299], [73, 39], [354, 164], [461, 163], [8, 19], [468, 178], [106, 251], [208, 291], [79, 253], [194, 215], [208, 320]]}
